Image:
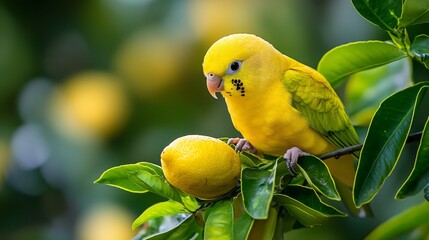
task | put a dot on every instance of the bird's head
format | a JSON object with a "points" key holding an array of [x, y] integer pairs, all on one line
{"points": [[238, 65]]}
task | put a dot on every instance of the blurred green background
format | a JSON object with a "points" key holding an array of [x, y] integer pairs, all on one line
{"points": [[88, 85]]}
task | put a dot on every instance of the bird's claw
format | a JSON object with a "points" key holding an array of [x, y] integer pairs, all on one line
{"points": [[242, 144], [291, 156]]}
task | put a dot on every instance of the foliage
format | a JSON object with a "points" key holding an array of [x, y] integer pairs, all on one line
{"points": [[414, 218], [269, 194], [265, 184]]}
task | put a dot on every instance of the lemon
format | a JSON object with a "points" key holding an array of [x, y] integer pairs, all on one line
{"points": [[90, 102], [202, 166]]}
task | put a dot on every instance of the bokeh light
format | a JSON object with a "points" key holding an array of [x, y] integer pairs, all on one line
{"points": [[151, 62], [29, 147], [90, 103], [210, 20], [105, 222]]}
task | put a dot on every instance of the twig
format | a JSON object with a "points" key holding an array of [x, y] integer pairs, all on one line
{"points": [[348, 150]]}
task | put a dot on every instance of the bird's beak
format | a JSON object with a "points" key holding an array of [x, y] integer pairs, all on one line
{"points": [[214, 84]]}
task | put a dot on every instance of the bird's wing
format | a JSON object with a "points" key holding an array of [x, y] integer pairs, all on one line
{"points": [[320, 105]]}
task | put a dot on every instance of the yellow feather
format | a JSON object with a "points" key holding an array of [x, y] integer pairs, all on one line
{"points": [[265, 115]]}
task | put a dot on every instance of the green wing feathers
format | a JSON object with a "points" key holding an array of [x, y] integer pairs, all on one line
{"points": [[321, 106]]}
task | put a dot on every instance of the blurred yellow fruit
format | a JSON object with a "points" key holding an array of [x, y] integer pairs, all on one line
{"points": [[151, 62], [202, 166], [105, 222], [212, 20], [91, 102]]}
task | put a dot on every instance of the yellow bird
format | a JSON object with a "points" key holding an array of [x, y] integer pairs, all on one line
{"points": [[278, 104]]}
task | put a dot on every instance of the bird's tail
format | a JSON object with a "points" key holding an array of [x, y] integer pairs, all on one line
{"points": [[343, 171], [346, 196]]}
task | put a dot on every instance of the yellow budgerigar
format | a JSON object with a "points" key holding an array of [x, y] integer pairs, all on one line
{"points": [[279, 105]]}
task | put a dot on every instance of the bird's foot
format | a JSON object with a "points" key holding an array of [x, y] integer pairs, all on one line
{"points": [[242, 144], [291, 156]]}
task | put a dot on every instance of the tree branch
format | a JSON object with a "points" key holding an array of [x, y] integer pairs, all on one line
{"points": [[348, 150]]}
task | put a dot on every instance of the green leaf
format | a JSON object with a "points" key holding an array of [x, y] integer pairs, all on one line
{"points": [[250, 159], [407, 221], [420, 49], [401, 39], [419, 176], [224, 139], [351, 58], [384, 14], [386, 138], [118, 176], [159, 185], [304, 204], [159, 210], [414, 12], [143, 177], [365, 90], [318, 176], [265, 229], [219, 223], [180, 226], [188, 201], [257, 188], [243, 226]]}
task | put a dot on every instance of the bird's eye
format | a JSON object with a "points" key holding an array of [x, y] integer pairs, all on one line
{"points": [[234, 67]]}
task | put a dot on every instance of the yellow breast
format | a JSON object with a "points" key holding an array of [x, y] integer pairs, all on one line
{"points": [[272, 125]]}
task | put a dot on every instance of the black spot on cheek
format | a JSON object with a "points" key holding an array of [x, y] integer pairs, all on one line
{"points": [[239, 86]]}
